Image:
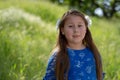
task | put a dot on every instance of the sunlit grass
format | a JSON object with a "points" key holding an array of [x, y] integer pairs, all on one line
{"points": [[24, 38], [48, 12]]}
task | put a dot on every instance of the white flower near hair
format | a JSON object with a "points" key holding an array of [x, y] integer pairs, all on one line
{"points": [[86, 17], [58, 23], [88, 20]]}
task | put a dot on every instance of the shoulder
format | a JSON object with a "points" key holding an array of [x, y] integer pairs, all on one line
{"points": [[88, 50], [50, 70], [52, 57]]}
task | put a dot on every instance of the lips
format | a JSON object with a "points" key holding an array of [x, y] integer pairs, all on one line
{"points": [[76, 36]]}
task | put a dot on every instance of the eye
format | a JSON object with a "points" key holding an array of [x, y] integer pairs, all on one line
{"points": [[70, 26], [79, 25]]}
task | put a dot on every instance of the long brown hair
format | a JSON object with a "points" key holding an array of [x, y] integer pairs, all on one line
{"points": [[62, 59]]}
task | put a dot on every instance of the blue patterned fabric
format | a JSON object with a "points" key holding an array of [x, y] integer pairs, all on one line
{"points": [[82, 66]]}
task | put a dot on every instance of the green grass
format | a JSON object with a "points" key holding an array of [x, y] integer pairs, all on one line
{"points": [[106, 34], [28, 34]]}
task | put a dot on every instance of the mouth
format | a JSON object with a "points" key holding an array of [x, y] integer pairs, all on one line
{"points": [[76, 36]]}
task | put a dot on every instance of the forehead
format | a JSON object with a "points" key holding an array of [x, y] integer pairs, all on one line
{"points": [[74, 18]]}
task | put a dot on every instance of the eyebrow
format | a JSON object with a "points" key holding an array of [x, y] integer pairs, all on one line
{"points": [[78, 23]]}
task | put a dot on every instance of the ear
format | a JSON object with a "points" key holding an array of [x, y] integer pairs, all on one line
{"points": [[62, 31], [85, 31]]}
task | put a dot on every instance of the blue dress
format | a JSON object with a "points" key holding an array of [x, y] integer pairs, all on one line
{"points": [[82, 65]]}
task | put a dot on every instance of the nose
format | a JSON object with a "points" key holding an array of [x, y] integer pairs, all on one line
{"points": [[75, 29]]}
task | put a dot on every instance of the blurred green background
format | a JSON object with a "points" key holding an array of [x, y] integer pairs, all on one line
{"points": [[28, 34]]}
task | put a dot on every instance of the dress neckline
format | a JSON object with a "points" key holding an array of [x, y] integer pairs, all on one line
{"points": [[77, 49]]}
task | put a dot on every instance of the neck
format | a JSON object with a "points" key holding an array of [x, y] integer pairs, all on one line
{"points": [[76, 46]]}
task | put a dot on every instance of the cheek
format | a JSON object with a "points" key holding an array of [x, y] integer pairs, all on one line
{"points": [[68, 33], [83, 32]]}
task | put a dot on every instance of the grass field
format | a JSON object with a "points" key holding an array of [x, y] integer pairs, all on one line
{"points": [[28, 34]]}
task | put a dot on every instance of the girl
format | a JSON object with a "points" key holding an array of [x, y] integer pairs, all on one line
{"points": [[75, 57]]}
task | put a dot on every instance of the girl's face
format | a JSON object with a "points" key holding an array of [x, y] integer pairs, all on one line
{"points": [[74, 29]]}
